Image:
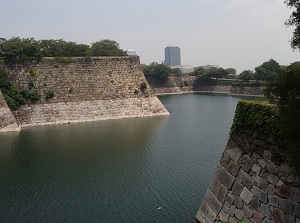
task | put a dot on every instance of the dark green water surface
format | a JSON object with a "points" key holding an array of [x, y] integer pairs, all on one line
{"points": [[153, 169]]}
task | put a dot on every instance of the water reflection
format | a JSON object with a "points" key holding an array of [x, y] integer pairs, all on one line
{"points": [[153, 169]]}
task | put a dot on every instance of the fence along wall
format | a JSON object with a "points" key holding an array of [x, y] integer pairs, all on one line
{"points": [[84, 89]]}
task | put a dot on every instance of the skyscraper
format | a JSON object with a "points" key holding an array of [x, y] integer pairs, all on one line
{"points": [[172, 56]]}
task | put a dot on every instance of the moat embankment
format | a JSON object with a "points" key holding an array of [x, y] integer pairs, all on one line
{"points": [[191, 84], [84, 89]]}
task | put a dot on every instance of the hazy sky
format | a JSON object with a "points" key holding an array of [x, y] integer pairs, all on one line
{"points": [[229, 33]]}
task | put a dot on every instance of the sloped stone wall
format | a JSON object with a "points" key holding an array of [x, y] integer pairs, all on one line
{"points": [[84, 89], [253, 182], [7, 120]]}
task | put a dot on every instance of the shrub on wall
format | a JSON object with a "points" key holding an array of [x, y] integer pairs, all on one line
{"points": [[257, 116]]}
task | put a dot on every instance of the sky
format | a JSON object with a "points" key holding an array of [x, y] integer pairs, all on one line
{"points": [[230, 33]]}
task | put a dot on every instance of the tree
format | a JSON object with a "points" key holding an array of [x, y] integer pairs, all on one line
{"points": [[107, 48], [20, 50], [176, 71], [200, 72], [267, 71], [159, 70], [294, 20], [231, 71], [246, 75], [285, 92]]}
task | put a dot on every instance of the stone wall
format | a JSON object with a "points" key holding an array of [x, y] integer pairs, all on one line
{"points": [[7, 120], [84, 89], [190, 84], [253, 182]]}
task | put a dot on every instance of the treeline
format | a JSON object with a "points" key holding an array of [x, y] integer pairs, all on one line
{"points": [[266, 72], [19, 49]]}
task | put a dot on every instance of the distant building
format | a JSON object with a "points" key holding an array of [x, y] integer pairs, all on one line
{"points": [[208, 66], [131, 52], [172, 56]]}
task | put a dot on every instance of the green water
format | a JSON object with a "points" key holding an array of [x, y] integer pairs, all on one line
{"points": [[153, 169]]}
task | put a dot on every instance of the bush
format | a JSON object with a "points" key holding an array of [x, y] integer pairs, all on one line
{"points": [[143, 86], [49, 94]]}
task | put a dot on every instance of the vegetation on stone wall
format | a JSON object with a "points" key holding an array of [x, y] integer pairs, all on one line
{"points": [[19, 49], [14, 96], [257, 116]]}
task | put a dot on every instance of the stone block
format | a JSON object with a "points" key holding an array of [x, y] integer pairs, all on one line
{"points": [[263, 196], [231, 210], [238, 203], [246, 195], [257, 217], [230, 198], [225, 159], [265, 210], [254, 204], [246, 163], [266, 220], [297, 210], [272, 178], [239, 214], [283, 191], [255, 191], [233, 168], [295, 194], [203, 207], [247, 211], [223, 216], [237, 188], [240, 175], [234, 153], [289, 219], [218, 190], [224, 177], [273, 200], [248, 181], [286, 205], [212, 201], [256, 169], [261, 182], [277, 215]]}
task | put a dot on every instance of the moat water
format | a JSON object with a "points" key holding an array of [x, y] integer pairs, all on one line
{"points": [[153, 169]]}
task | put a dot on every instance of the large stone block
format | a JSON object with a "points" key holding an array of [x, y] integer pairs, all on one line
{"points": [[246, 195], [212, 201], [224, 177]]}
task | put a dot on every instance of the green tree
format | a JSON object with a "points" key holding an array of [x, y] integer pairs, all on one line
{"points": [[107, 48], [246, 75], [20, 50], [200, 72], [158, 70], [285, 92], [176, 71], [267, 71], [294, 20], [231, 71]]}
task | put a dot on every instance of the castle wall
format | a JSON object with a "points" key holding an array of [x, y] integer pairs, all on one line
{"points": [[84, 89], [253, 182]]}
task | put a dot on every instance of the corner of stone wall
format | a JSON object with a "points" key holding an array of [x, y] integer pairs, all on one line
{"points": [[253, 182], [8, 122]]}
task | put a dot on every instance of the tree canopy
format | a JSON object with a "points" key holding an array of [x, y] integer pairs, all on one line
{"points": [[294, 20], [107, 48], [28, 49], [285, 92], [158, 70]]}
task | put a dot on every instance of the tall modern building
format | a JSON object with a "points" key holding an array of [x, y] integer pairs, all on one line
{"points": [[172, 56]]}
